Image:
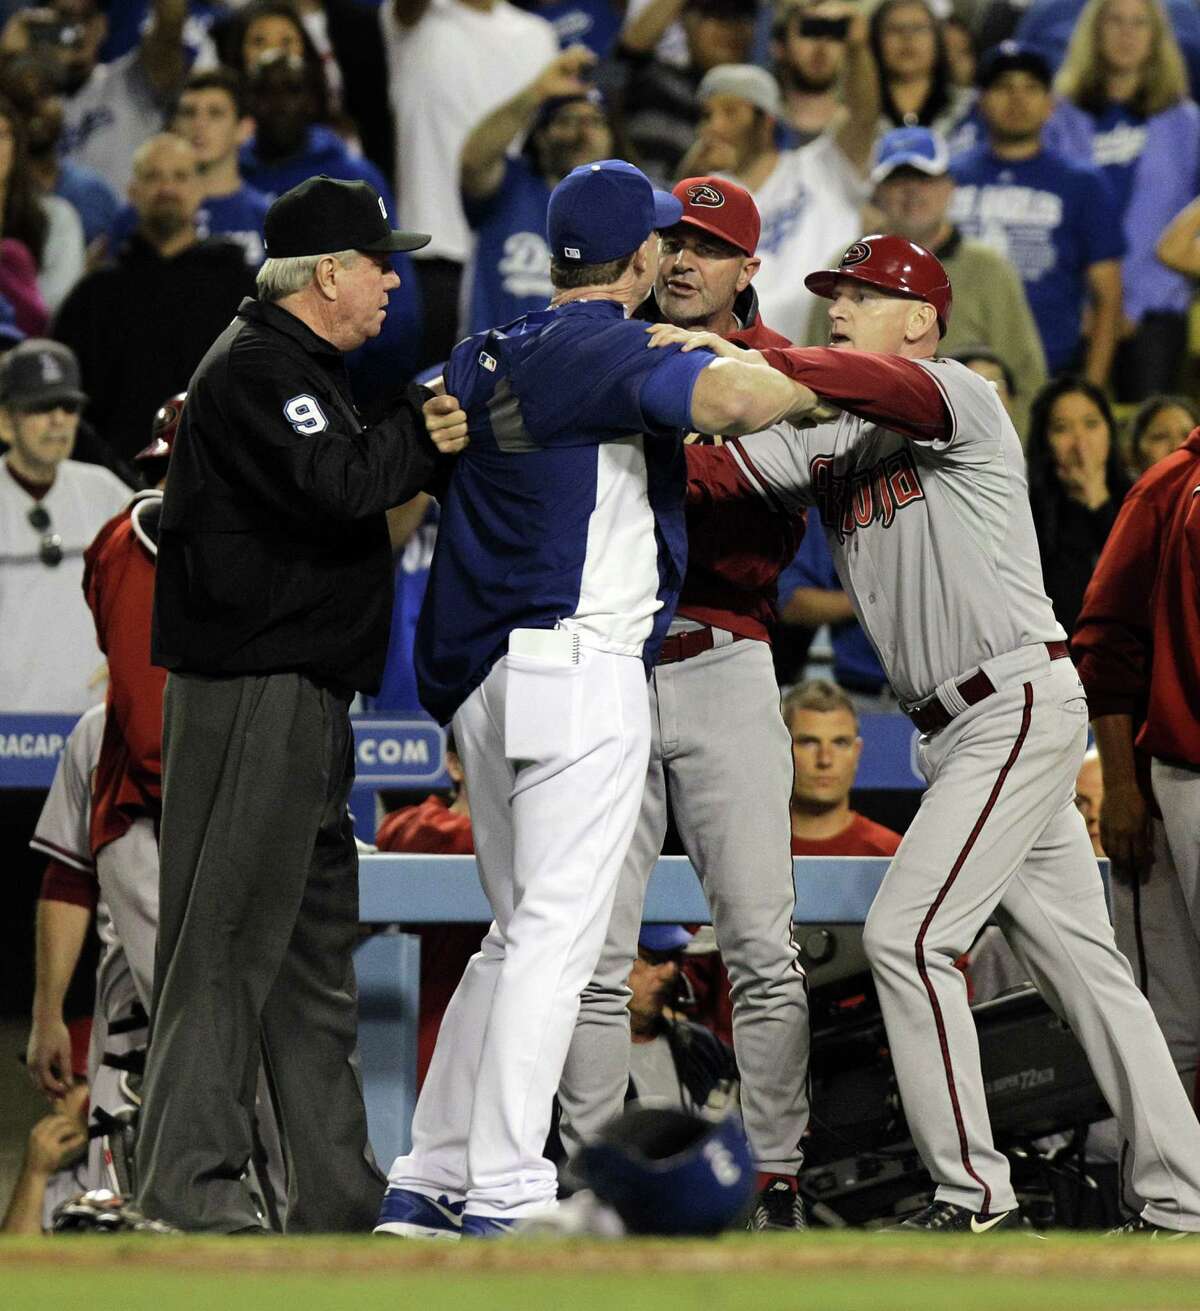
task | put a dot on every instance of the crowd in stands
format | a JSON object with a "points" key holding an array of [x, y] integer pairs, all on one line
{"points": [[1048, 153]]}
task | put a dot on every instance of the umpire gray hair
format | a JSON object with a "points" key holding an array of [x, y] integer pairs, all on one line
{"points": [[284, 277]]}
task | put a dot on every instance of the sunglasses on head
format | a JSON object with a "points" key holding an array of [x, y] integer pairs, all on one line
{"points": [[50, 550]]}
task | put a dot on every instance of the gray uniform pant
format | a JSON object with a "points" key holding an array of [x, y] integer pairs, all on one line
{"points": [[721, 747], [258, 919], [998, 833]]}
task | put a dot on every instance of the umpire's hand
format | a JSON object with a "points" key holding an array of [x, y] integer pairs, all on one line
{"points": [[446, 424]]}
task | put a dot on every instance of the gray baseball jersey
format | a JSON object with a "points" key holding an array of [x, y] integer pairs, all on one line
{"points": [[933, 541], [62, 827]]}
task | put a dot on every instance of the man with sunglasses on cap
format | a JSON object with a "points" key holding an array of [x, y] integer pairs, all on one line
{"points": [[560, 554], [272, 607], [716, 732], [50, 508], [920, 487]]}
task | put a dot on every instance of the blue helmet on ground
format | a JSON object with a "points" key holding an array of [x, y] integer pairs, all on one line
{"points": [[669, 1172]]}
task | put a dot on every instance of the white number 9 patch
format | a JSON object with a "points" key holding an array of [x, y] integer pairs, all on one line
{"points": [[305, 414]]}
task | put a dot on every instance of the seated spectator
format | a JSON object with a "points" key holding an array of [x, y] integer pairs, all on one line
{"points": [[916, 85], [989, 365], [807, 196], [30, 83], [289, 142], [811, 596], [1124, 106], [19, 287], [141, 324], [490, 50], [57, 1144], [1053, 218], [1161, 425], [436, 827], [673, 1061], [564, 123], [47, 225], [1047, 25], [657, 100], [50, 509], [110, 109], [808, 52], [914, 193], [826, 747], [1077, 482]]}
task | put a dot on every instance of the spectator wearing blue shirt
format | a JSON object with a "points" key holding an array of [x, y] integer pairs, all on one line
{"points": [[594, 23], [1055, 219], [1124, 105], [564, 124], [811, 596], [560, 556]]}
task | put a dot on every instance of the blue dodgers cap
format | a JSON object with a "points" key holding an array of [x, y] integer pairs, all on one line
{"points": [[602, 211], [911, 147], [663, 937]]}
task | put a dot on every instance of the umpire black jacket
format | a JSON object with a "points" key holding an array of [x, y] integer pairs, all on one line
{"points": [[274, 552]]}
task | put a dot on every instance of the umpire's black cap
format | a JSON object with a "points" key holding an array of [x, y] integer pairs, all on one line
{"points": [[322, 215]]}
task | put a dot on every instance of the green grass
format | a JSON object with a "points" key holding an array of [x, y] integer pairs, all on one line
{"points": [[843, 1272]]}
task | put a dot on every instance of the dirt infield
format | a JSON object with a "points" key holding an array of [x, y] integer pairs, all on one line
{"points": [[820, 1272]]}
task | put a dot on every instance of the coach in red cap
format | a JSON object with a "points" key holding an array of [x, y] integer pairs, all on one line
{"points": [[717, 732]]}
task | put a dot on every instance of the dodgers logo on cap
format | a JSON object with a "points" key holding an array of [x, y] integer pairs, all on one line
{"points": [[856, 254], [52, 370], [705, 195]]}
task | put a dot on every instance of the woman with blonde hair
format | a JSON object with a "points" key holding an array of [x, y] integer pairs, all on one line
{"points": [[1124, 104]]}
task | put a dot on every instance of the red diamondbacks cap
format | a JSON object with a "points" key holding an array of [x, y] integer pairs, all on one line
{"points": [[721, 207]]}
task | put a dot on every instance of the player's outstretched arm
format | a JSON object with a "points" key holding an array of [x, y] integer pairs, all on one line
{"points": [[738, 393]]}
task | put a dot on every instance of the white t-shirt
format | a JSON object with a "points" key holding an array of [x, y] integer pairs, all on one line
{"points": [[49, 660], [445, 74], [809, 204], [106, 120]]}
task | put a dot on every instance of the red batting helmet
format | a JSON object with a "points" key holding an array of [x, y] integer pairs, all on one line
{"points": [[166, 425], [892, 264]]}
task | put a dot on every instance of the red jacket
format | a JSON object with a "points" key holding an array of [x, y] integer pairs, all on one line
{"points": [[735, 551], [118, 582], [1138, 633]]}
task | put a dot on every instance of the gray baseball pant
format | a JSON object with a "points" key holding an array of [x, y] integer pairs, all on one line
{"points": [[258, 919], [721, 747], [998, 833]]}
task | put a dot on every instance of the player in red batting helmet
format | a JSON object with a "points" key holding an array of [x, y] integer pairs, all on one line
{"points": [[892, 264], [164, 428]]}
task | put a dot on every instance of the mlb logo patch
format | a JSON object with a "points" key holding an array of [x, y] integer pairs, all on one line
{"points": [[571, 252], [486, 362]]}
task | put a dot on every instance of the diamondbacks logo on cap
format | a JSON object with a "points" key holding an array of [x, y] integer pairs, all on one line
{"points": [[856, 254], [571, 252], [52, 370], [705, 196]]}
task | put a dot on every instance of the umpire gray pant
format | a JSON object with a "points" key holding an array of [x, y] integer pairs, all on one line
{"points": [[258, 919]]}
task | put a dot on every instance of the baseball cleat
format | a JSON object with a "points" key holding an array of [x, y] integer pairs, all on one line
{"points": [[778, 1210], [946, 1218], [487, 1226], [1140, 1225], [408, 1214]]}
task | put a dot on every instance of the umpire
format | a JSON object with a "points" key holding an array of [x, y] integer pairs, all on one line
{"points": [[272, 606]]}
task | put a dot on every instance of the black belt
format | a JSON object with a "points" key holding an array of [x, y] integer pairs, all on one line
{"points": [[932, 717]]}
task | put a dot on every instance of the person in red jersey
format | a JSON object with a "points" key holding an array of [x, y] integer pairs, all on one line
{"points": [[1136, 643], [826, 749]]}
